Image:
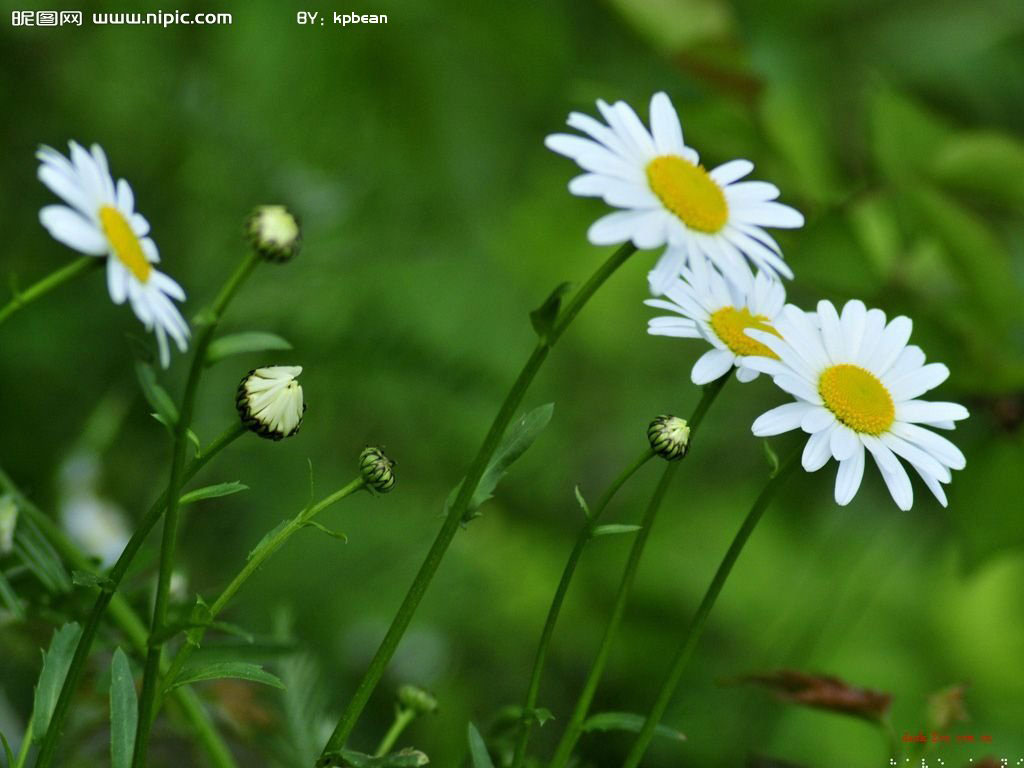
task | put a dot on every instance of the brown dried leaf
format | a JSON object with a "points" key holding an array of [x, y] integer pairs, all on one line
{"points": [[824, 692]]}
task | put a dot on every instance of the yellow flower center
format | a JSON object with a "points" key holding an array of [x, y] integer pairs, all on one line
{"points": [[688, 191], [730, 325], [857, 398], [124, 243]]}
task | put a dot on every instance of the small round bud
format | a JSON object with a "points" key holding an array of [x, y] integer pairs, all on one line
{"points": [[274, 232], [416, 699], [669, 437], [269, 400], [377, 469]]}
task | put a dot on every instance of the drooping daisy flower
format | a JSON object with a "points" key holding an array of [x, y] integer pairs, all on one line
{"points": [[269, 400], [857, 382], [720, 312], [667, 195], [100, 220]]}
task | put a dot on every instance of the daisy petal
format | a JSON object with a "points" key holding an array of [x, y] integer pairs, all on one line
{"points": [[784, 418], [712, 365], [851, 472]]}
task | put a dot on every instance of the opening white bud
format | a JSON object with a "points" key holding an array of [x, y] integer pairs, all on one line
{"points": [[274, 232], [269, 400]]}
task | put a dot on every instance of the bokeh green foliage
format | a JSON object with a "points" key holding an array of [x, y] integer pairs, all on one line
{"points": [[434, 221]]}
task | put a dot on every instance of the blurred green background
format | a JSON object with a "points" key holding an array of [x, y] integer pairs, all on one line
{"points": [[434, 220]]}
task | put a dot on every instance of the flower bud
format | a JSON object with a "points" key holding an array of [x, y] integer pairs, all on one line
{"points": [[274, 232], [377, 469], [416, 699], [669, 437], [269, 400], [8, 522]]}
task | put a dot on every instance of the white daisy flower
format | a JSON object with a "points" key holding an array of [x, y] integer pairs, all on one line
{"points": [[269, 401], [857, 382], [717, 310], [667, 195], [100, 220]]}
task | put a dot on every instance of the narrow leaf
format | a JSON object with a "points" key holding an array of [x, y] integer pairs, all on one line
{"points": [[543, 318], [349, 758], [213, 492], [324, 529], [243, 343], [267, 538], [55, 668], [156, 395], [772, 457], [614, 528], [627, 721], [478, 749], [124, 711], [7, 751], [236, 670], [192, 436], [87, 579], [10, 598], [582, 502]]}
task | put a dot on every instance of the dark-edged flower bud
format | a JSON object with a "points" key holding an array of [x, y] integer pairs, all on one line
{"points": [[417, 700], [669, 437], [377, 469], [269, 400], [274, 232]]}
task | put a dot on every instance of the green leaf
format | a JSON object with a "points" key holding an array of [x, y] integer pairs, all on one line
{"points": [[267, 538], [543, 318], [582, 502], [237, 670], [542, 715], [7, 750], [613, 528], [348, 758], [192, 436], [518, 438], [124, 711], [10, 598], [324, 529], [772, 457], [985, 166], [87, 579], [244, 343], [38, 555], [156, 395], [478, 749], [627, 721], [56, 661], [212, 492]]}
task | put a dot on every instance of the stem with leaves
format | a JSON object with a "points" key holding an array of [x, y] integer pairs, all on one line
{"points": [[272, 542], [550, 322], [53, 280], [574, 728], [151, 673], [582, 539], [696, 626], [122, 612]]}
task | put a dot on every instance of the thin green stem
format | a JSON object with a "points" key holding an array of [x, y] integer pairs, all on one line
{"points": [[402, 719], [259, 556], [574, 728], [582, 539], [151, 671], [450, 527], [123, 614], [53, 280], [26, 742], [696, 626]]}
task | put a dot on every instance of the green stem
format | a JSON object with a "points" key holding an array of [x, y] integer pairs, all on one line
{"points": [[259, 556], [53, 280], [696, 627], [402, 719], [575, 726], [453, 520], [26, 742], [122, 612], [151, 670], [582, 539]]}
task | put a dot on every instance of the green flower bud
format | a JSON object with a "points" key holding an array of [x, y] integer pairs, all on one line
{"points": [[269, 400], [669, 437], [416, 699], [377, 469], [274, 232]]}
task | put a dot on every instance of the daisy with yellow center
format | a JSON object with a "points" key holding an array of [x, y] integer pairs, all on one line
{"points": [[857, 381], [99, 219], [669, 198], [708, 306]]}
